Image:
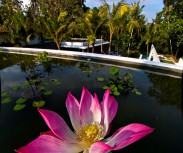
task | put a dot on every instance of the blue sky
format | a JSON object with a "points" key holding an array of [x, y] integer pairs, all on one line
{"points": [[150, 9]]}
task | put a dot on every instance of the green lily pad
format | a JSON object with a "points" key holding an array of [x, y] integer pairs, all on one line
{"points": [[19, 107], [6, 100], [114, 71], [87, 71], [16, 88], [49, 92], [55, 82], [105, 87], [4, 94], [38, 104], [45, 84], [26, 86], [116, 93], [21, 100], [100, 79], [42, 88], [35, 80], [5, 59], [138, 93]]}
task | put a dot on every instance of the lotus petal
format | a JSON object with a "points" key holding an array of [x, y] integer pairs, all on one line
{"points": [[50, 144], [73, 109], [128, 135], [57, 125], [90, 110]]}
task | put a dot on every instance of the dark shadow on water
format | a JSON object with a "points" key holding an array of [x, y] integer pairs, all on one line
{"points": [[0, 92]]}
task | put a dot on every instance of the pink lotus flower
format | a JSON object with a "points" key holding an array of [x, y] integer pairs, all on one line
{"points": [[90, 120]]}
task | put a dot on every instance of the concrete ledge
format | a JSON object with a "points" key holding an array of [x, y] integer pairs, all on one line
{"points": [[152, 66]]}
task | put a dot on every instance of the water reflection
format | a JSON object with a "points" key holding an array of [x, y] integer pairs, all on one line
{"points": [[166, 90], [159, 106]]}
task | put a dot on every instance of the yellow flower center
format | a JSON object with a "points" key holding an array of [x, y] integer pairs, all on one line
{"points": [[90, 134]]}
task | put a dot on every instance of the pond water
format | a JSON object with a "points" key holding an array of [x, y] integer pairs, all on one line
{"points": [[23, 82]]}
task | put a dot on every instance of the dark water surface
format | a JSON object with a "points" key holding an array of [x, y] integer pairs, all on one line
{"points": [[160, 105]]}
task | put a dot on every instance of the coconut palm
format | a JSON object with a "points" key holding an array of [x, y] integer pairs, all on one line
{"points": [[135, 21], [113, 17], [90, 24]]}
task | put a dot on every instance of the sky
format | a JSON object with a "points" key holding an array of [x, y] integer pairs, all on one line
{"points": [[150, 9]]}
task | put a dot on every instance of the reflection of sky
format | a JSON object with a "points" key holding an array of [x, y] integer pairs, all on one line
{"points": [[145, 109], [11, 76]]}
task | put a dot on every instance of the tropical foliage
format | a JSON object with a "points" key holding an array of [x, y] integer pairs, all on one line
{"points": [[122, 24]]}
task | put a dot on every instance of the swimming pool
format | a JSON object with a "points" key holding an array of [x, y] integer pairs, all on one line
{"points": [[160, 105]]}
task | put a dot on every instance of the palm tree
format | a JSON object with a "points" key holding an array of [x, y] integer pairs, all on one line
{"points": [[148, 36], [167, 12], [90, 24], [113, 17], [135, 19]]}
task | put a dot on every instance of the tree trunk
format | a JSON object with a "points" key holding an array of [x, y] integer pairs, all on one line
{"points": [[101, 49], [93, 48], [147, 49], [171, 50], [129, 44], [110, 44], [58, 44]]}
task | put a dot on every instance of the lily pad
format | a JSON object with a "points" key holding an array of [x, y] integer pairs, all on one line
{"points": [[16, 88], [21, 100], [105, 87], [4, 94], [42, 88], [45, 84], [38, 104], [138, 93], [5, 59], [116, 93], [6, 100], [26, 86], [19, 107], [49, 92], [87, 71], [55, 82], [100, 79], [114, 71]]}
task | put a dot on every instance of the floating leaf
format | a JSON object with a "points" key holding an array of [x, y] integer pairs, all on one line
{"points": [[4, 94], [21, 100], [114, 71], [120, 87], [87, 71], [112, 87], [26, 86], [105, 87], [55, 82], [19, 107], [6, 100], [35, 80], [45, 84], [38, 104], [42, 88], [5, 59], [49, 92], [16, 88], [100, 79], [116, 93], [138, 93]]}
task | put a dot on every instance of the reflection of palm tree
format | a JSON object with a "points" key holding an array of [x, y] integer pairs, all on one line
{"points": [[166, 90]]}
